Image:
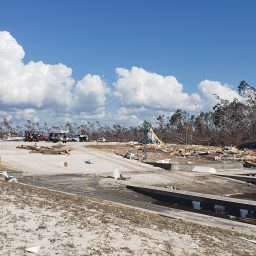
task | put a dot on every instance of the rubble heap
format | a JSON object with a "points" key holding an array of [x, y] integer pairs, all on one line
{"points": [[246, 156], [52, 150]]}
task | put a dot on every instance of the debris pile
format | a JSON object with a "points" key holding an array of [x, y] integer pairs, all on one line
{"points": [[246, 156], [51, 150], [129, 155], [172, 187], [153, 149], [8, 178]]}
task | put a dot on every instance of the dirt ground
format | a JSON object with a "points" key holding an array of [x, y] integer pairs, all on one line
{"points": [[152, 153], [39, 164], [104, 161], [64, 224]]}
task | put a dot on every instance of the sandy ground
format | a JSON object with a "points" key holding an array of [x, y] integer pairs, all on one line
{"points": [[38, 164], [64, 224]]}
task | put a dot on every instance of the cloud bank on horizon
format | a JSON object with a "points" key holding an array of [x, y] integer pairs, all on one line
{"points": [[40, 91]]}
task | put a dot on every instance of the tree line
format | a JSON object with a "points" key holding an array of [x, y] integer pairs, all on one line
{"points": [[227, 123]]}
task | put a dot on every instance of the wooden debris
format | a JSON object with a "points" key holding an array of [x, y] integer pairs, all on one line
{"points": [[247, 157], [51, 150]]}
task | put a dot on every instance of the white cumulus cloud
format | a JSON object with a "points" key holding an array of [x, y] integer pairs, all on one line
{"points": [[211, 88], [90, 94], [38, 86], [137, 87], [36, 90], [10, 50], [34, 84]]}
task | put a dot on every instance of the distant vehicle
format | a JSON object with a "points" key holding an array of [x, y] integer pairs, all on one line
{"points": [[42, 137], [74, 138], [79, 138], [58, 136], [11, 137], [101, 139], [83, 138], [31, 136]]}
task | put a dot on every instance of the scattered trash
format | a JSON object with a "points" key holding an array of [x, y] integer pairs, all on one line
{"points": [[164, 161], [4, 174], [232, 217], [217, 158], [34, 249], [129, 155], [117, 175], [12, 179], [204, 169], [246, 156], [248, 240], [132, 143], [8, 178], [173, 187], [88, 162]]}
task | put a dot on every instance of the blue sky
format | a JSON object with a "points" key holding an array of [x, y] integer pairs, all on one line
{"points": [[190, 40]]}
